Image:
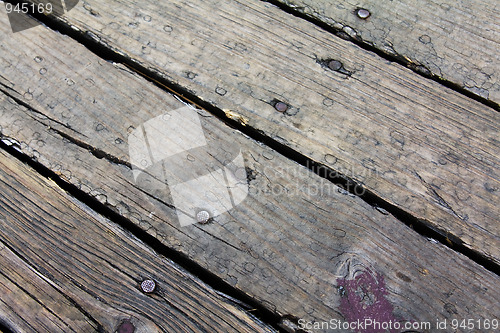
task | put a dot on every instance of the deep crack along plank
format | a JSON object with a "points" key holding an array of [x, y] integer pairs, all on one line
{"points": [[297, 243], [420, 146], [66, 269], [455, 40], [30, 302]]}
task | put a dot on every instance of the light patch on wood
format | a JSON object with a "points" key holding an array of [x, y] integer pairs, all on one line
{"points": [[236, 116]]}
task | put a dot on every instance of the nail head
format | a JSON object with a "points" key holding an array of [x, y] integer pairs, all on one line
{"points": [[148, 286], [281, 107], [363, 13], [203, 216], [334, 65]]}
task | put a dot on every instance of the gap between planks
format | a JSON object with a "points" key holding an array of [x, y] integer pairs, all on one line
{"points": [[147, 258], [396, 226], [311, 12], [441, 218], [421, 226]]}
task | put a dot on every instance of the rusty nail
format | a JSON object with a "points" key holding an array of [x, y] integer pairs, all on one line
{"points": [[363, 13], [148, 286], [203, 216], [281, 107], [334, 65], [126, 327]]}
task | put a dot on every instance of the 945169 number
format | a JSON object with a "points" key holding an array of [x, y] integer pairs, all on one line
{"points": [[475, 324], [25, 8]]}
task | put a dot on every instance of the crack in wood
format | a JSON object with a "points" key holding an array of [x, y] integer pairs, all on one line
{"points": [[262, 313], [99, 328], [436, 195], [420, 69], [26, 105], [99, 153], [421, 226]]}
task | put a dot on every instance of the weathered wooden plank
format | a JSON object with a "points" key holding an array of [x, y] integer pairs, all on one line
{"points": [[30, 303], [66, 269], [454, 40], [297, 243], [415, 144]]}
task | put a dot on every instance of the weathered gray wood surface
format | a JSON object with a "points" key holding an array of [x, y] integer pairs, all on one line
{"points": [[428, 150], [455, 40], [297, 243], [30, 303], [66, 269]]}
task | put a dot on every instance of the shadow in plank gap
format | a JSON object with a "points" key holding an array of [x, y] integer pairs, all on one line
{"points": [[421, 36], [17, 11], [83, 273], [433, 150], [298, 253]]}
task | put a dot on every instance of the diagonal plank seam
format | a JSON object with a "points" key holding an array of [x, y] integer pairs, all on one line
{"points": [[422, 226], [22, 103], [99, 153], [392, 57], [4, 328], [99, 327], [243, 301]]}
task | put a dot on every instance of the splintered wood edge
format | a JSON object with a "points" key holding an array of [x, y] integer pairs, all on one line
{"points": [[299, 255], [421, 35], [413, 143], [82, 272], [409, 274]]}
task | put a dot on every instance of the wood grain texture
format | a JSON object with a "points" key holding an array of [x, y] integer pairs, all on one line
{"points": [[30, 302], [424, 148], [66, 269], [455, 40], [298, 244]]}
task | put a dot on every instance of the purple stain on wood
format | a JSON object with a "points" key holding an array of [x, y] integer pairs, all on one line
{"points": [[364, 298]]}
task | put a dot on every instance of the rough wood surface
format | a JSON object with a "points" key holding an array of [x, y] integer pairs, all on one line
{"points": [[426, 149], [66, 269], [298, 244], [30, 302], [455, 40]]}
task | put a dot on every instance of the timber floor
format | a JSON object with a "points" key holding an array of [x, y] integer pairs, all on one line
{"points": [[250, 166]]}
